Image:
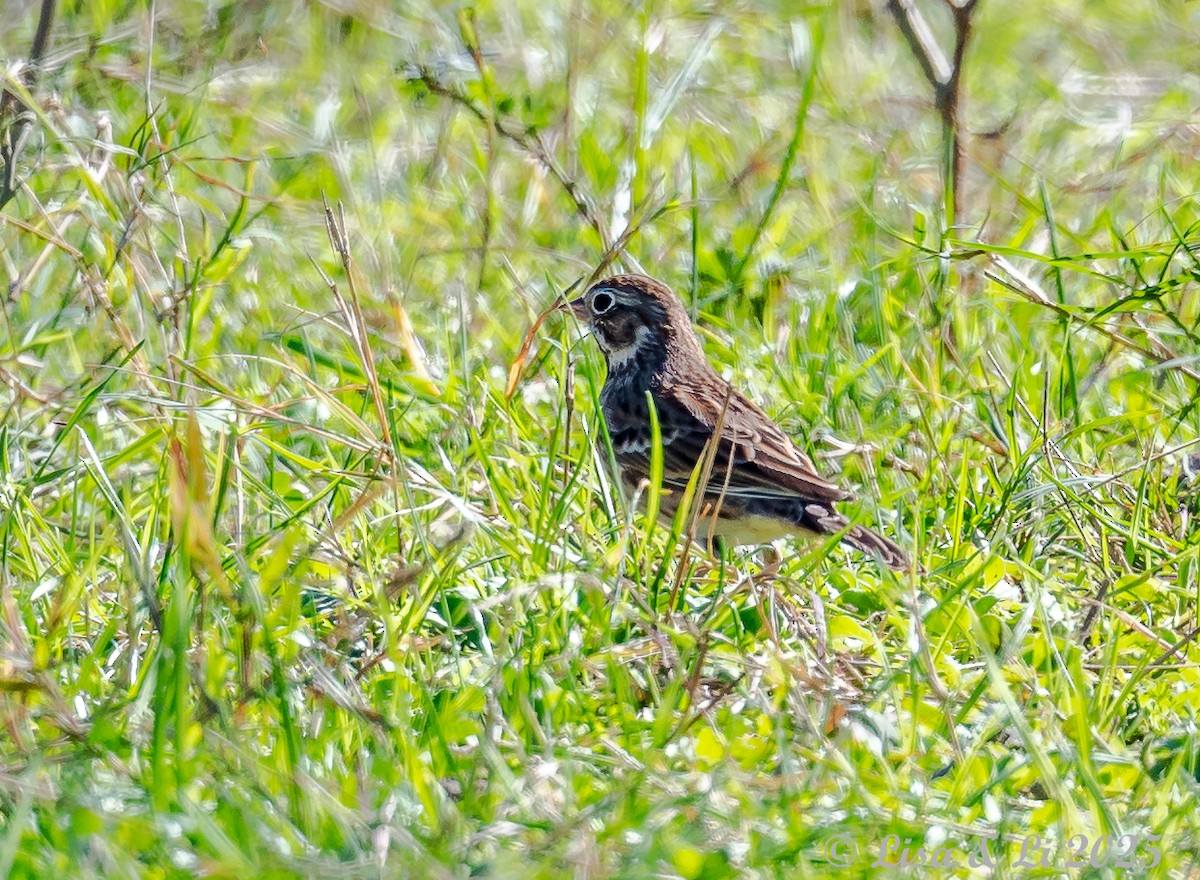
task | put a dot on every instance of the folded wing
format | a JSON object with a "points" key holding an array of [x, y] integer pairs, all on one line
{"points": [[754, 459]]}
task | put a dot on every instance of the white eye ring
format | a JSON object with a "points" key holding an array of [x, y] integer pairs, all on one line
{"points": [[602, 302]]}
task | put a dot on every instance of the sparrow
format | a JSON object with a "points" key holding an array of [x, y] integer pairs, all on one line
{"points": [[760, 485]]}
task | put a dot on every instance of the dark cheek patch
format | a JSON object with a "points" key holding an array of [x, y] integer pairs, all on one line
{"points": [[618, 332]]}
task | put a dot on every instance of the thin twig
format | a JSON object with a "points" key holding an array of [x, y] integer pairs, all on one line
{"points": [[1177, 647], [1016, 281], [352, 314], [529, 141]]}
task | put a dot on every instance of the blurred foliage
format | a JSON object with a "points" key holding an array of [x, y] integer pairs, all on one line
{"points": [[274, 606]]}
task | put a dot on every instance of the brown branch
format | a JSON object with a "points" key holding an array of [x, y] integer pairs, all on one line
{"points": [[12, 141], [920, 38], [944, 77], [951, 97]]}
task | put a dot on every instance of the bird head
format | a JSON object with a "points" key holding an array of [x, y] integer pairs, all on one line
{"points": [[634, 318]]}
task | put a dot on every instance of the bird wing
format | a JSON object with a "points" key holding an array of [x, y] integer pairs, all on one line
{"points": [[754, 459]]}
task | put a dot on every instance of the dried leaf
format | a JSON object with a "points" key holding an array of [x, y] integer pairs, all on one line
{"points": [[518, 364]]}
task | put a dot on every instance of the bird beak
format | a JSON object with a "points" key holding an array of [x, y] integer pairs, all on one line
{"points": [[576, 307]]}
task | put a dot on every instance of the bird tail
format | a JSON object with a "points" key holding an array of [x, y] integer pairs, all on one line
{"points": [[862, 538], [824, 519]]}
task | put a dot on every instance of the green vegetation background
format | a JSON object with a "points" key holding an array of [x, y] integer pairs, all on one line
{"points": [[272, 607]]}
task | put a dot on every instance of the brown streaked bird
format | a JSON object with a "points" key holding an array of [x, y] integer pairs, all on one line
{"points": [[760, 486]]}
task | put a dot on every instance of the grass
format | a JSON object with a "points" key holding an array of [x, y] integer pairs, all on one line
{"points": [[290, 587]]}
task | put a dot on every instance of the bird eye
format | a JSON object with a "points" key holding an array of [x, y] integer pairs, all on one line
{"points": [[602, 301]]}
